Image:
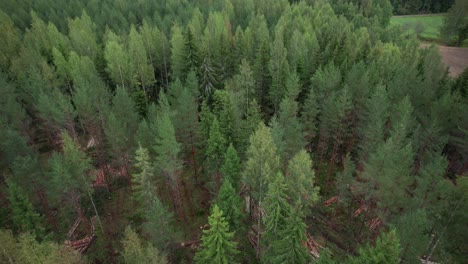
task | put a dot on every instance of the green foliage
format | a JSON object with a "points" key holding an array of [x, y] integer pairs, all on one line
{"points": [[23, 216], [230, 203], [262, 162], [412, 229], [231, 168], [137, 251], [25, 249], [143, 188], [215, 149], [300, 181], [386, 250], [290, 248], [217, 245], [455, 28]]}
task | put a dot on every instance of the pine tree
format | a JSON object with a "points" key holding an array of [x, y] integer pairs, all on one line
{"points": [[262, 75], [186, 119], [277, 211], [191, 55], [178, 61], [144, 187], [373, 128], [217, 245], [230, 203], [412, 229], [231, 168], [167, 162], [310, 111], [159, 223], [246, 84], [279, 70], [30, 251], [300, 179], [253, 117], [23, 216], [292, 137], [82, 34], [215, 149], [118, 65], [121, 126], [455, 28], [262, 162], [386, 250], [345, 180], [208, 78], [290, 248], [136, 252], [143, 68]]}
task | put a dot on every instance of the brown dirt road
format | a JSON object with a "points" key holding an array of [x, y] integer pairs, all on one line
{"points": [[455, 58]]}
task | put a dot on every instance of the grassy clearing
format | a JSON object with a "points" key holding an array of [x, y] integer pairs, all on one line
{"points": [[426, 26]]}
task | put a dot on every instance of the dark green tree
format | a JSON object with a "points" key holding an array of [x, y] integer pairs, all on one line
{"points": [[137, 251], [455, 28], [230, 203], [386, 250], [231, 168], [24, 217], [217, 245]]}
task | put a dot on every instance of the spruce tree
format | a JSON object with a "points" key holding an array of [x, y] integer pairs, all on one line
{"points": [[217, 245], [262, 162], [230, 203], [253, 117], [143, 68], [277, 211], [231, 168], [23, 216], [135, 251], [144, 180], [167, 162], [300, 179], [386, 250], [290, 247], [215, 149]]}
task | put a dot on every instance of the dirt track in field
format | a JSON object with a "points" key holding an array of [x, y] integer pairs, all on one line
{"points": [[455, 58]]}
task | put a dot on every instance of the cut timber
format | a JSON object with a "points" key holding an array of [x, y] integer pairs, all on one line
{"points": [[100, 180], [252, 236], [72, 230], [374, 223], [191, 243], [361, 208], [313, 246], [332, 200], [81, 245]]}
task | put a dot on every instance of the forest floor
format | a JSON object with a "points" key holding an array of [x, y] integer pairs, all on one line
{"points": [[454, 57]]}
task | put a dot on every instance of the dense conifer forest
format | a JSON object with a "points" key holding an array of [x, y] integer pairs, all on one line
{"points": [[228, 131]]}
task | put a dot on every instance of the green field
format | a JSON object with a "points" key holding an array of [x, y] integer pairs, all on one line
{"points": [[427, 25]]}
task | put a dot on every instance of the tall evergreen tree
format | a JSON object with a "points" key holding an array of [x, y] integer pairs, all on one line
{"points": [[135, 251], [290, 247], [215, 149], [277, 211], [23, 216], [217, 245], [143, 68], [262, 162], [231, 168], [230, 203], [300, 179], [167, 162], [386, 250]]}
